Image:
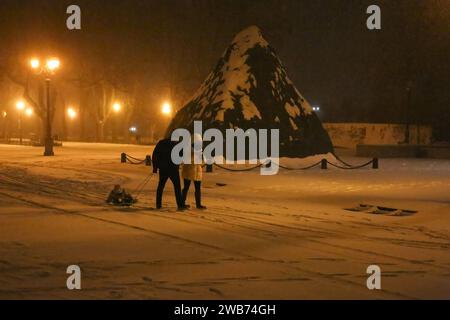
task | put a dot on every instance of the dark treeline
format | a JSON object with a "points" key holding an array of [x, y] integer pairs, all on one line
{"points": [[143, 52]]}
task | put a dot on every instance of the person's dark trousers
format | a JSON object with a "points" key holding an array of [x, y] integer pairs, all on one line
{"points": [[198, 195], [174, 176]]}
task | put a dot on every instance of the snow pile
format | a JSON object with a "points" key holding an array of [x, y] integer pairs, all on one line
{"points": [[236, 76], [249, 88]]}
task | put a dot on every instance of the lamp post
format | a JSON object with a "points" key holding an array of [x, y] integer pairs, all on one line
{"points": [[117, 107], [166, 109], [48, 70], [5, 123], [72, 114]]}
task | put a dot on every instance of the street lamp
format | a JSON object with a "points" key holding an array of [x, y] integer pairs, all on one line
{"points": [[71, 113], [166, 108], [29, 112], [20, 105], [34, 63], [49, 69], [52, 64], [117, 107]]}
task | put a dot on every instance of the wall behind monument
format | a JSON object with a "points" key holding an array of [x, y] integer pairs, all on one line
{"points": [[349, 135]]}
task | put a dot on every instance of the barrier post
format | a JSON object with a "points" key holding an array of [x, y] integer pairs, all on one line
{"points": [[148, 160], [209, 168], [123, 157], [323, 164], [375, 163]]}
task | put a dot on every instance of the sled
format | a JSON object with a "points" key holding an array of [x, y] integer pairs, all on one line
{"points": [[123, 204]]}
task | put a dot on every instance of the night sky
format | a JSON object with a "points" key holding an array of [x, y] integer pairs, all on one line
{"points": [[159, 49]]}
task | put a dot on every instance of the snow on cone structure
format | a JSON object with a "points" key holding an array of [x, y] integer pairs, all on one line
{"points": [[249, 88]]}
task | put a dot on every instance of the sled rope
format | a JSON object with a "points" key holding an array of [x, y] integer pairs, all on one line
{"points": [[142, 185]]}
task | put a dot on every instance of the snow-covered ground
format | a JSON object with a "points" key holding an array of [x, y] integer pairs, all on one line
{"points": [[279, 237]]}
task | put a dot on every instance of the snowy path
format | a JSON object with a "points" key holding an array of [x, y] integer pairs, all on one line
{"points": [[285, 236]]}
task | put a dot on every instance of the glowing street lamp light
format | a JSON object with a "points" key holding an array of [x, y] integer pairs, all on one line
{"points": [[20, 105], [117, 107], [29, 112], [35, 63], [52, 64], [71, 113], [166, 108]]}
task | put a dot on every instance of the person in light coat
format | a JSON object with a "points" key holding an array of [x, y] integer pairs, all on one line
{"points": [[192, 172]]}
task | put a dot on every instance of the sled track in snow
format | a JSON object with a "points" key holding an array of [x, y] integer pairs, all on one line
{"points": [[325, 231], [312, 231], [94, 198], [49, 186], [319, 275], [49, 190], [347, 248]]}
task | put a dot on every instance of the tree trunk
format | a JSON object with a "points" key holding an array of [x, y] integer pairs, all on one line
{"points": [[100, 131]]}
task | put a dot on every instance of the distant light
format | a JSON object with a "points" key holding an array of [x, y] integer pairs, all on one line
{"points": [[133, 129], [53, 64], [20, 105], [117, 107], [316, 108], [35, 63], [29, 112], [5, 114], [166, 108], [71, 113]]}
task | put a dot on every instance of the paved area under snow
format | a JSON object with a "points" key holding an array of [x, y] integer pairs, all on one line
{"points": [[279, 237]]}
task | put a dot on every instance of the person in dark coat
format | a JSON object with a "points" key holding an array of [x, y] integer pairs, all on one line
{"points": [[162, 161]]}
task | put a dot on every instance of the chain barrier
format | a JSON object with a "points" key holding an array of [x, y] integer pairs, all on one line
{"points": [[132, 160], [245, 169], [304, 168], [351, 167], [346, 166]]}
